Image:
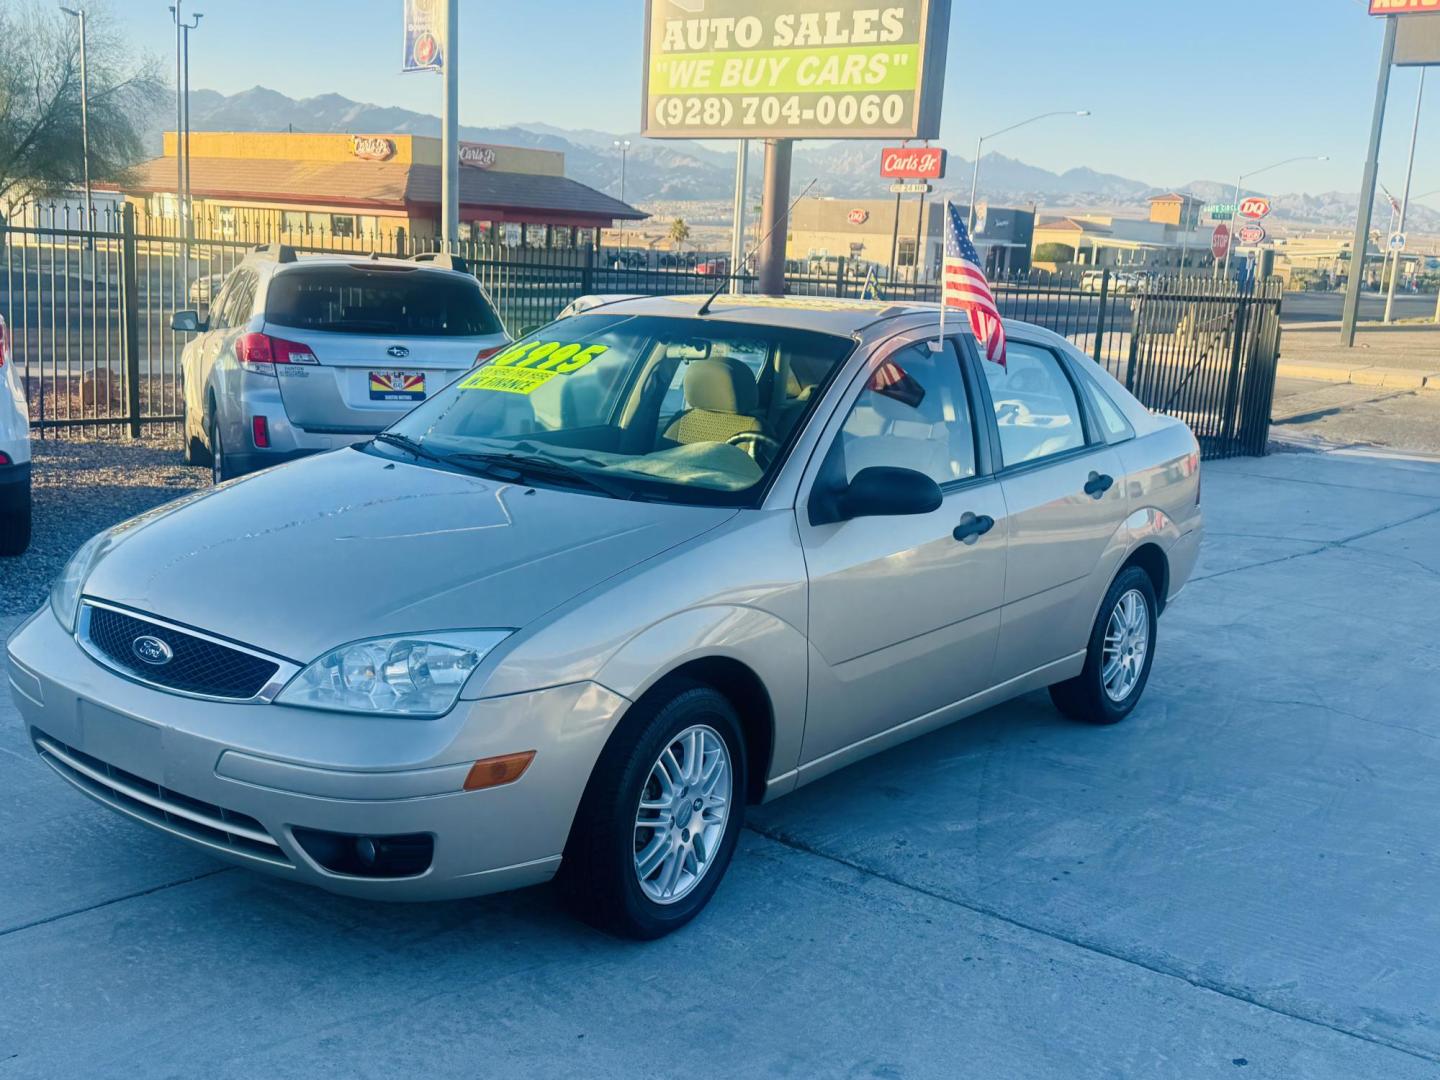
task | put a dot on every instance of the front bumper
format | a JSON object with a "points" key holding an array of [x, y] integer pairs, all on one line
{"points": [[239, 779]]}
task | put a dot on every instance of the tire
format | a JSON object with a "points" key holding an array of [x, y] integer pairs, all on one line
{"points": [[196, 452], [599, 877], [220, 469], [16, 516], [1087, 697]]}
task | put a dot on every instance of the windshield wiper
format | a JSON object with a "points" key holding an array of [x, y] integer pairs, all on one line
{"points": [[521, 465], [409, 445]]}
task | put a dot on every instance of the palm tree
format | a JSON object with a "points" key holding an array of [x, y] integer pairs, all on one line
{"points": [[679, 233]]}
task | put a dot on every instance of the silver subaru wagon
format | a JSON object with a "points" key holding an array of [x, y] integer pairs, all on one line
{"points": [[655, 562]]}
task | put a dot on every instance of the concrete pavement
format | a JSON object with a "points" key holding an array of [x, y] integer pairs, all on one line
{"points": [[1402, 356], [1242, 880]]}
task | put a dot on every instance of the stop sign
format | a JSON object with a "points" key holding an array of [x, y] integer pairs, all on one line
{"points": [[1220, 241]]}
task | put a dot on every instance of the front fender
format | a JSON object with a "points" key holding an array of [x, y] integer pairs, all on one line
{"points": [[770, 647]]}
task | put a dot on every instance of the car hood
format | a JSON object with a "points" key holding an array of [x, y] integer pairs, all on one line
{"points": [[350, 545]]}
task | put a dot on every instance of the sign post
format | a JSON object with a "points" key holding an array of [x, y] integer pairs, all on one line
{"points": [[1367, 186], [432, 32]]}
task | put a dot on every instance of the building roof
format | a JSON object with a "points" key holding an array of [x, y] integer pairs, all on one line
{"points": [[1073, 226], [1175, 196], [377, 185]]}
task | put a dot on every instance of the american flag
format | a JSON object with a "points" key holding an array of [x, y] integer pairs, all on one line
{"points": [[967, 289]]}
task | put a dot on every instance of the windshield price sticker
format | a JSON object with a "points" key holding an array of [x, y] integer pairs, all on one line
{"points": [[529, 366]]}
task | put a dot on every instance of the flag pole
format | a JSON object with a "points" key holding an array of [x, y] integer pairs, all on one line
{"points": [[944, 239]]}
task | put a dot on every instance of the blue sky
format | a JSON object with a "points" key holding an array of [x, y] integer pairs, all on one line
{"points": [[1179, 90]]}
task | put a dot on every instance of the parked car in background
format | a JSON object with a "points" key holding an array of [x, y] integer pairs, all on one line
{"points": [[1121, 283], [204, 289], [718, 266], [307, 353], [629, 259], [14, 454], [660, 560]]}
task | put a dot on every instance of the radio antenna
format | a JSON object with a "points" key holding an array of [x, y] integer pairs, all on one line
{"points": [[705, 307]]}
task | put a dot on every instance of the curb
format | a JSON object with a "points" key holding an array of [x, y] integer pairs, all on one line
{"points": [[1361, 375]]}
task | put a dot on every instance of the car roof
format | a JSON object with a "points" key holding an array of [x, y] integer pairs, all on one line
{"points": [[360, 260], [820, 314]]}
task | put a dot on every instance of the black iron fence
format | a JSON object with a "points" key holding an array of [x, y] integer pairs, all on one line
{"points": [[90, 309]]}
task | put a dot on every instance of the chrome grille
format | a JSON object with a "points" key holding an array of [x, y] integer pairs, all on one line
{"points": [[198, 664], [208, 824]]}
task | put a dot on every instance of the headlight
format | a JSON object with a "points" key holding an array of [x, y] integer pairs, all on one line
{"points": [[418, 675], [65, 593]]}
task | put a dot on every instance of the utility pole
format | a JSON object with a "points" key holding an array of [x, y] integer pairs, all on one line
{"points": [[1367, 187], [623, 145], [179, 125], [450, 125], [774, 215], [1405, 198], [185, 140], [737, 240], [86, 214]]}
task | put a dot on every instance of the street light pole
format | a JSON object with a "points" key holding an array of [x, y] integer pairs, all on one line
{"points": [[450, 133], [1405, 198], [980, 147], [179, 121], [1246, 176], [185, 140], [86, 214], [623, 145]]}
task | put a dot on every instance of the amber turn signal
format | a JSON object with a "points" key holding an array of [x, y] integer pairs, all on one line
{"points": [[494, 771]]}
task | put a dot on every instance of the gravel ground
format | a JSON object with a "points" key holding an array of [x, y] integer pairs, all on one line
{"points": [[82, 487]]}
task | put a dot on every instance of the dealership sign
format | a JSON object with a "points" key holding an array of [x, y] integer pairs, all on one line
{"points": [[424, 30], [912, 163], [372, 147], [1255, 208], [1404, 7], [477, 156], [1252, 234], [804, 69]]}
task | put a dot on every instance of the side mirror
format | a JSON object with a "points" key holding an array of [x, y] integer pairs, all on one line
{"points": [[880, 491], [188, 322]]}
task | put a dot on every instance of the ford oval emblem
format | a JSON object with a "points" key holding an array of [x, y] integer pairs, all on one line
{"points": [[399, 352], [152, 650]]}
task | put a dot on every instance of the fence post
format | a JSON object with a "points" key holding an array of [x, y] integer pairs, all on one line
{"points": [[130, 316], [840, 278], [587, 276], [1228, 418], [1100, 319]]}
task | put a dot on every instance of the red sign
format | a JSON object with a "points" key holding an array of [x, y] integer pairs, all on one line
{"points": [[1220, 241], [372, 147], [912, 163], [858, 216], [1404, 7], [1252, 234], [1255, 208]]}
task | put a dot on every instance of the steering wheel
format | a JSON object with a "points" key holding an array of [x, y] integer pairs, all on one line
{"points": [[759, 441]]}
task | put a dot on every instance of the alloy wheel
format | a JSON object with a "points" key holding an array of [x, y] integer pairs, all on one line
{"points": [[1127, 641], [684, 808]]}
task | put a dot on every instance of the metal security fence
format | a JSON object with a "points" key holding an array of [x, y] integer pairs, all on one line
{"points": [[90, 309]]}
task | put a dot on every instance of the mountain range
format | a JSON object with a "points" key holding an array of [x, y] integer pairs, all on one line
{"points": [[667, 172]]}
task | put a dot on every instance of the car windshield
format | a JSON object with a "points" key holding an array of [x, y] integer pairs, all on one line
{"points": [[680, 409], [395, 300]]}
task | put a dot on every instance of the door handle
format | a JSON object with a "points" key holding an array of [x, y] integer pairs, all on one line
{"points": [[1098, 485], [971, 528]]}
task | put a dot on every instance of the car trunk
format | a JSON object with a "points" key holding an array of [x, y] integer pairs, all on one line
{"points": [[384, 339], [359, 384]]}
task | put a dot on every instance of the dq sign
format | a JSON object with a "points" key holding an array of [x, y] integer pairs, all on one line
{"points": [[912, 163], [1251, 235], [1255, 208], [858, 216]]}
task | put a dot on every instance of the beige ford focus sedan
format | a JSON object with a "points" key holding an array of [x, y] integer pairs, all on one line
{"points": [[658, 561]]}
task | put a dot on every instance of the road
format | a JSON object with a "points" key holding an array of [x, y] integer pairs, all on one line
{"points": [[1239, 881], [1344, 414], [1309, 307]]}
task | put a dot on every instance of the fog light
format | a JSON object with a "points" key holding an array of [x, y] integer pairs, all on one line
{"points": [[368, 856]]}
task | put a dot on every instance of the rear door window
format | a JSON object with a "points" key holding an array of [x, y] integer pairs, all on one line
{"points": [[359, 300]]}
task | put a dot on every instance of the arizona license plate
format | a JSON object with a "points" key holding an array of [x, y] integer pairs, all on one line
{"points": [[397, 386]]}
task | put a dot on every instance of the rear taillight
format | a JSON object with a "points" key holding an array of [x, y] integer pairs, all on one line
{"points": [[4, 343], [262, 349], [260, 428], [5, 458], [486, 354]]}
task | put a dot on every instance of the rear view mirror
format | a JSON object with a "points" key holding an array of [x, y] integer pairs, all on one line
{"points": [[880, 491], [188, 322]]}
